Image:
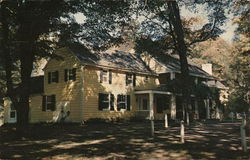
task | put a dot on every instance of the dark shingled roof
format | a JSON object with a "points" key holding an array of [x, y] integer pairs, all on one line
{"points": [[133, 62], [172, 64], [117, 59]]}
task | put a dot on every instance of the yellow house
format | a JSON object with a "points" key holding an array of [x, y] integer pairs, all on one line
{"points": [[80, 85]]}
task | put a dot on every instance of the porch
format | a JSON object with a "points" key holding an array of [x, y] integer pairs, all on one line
{"points": [[154, 104]]}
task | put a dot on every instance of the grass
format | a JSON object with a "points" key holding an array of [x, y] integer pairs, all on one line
{"points": [[121, 141]]}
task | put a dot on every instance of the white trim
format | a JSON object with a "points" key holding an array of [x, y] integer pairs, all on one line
{"points": [[152, 91], [82, 92]]}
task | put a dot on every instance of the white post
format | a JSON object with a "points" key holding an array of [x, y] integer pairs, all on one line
{"points": [[232, 116], [182, 132], [208, 108], [173, 107], [187, 118], [172, 75], [196, 109], [243, 138], [151, 105], [166, 121], [152, 128], [244, 122]]}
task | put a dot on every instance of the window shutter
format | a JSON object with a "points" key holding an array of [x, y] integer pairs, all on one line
{"points": [[53, 105], [110, 76], [100, 98], [118, 102], [66, 75], [126, 79], [44, 103], [57, 76], [49, 77], [101, 75], [112, 98], [128, 102], [134, 80], [74, 74]]}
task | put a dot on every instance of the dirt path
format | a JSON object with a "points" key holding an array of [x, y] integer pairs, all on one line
{"points": [[122, 141]]}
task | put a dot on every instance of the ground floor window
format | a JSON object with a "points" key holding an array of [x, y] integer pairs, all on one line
{"points": [[49, 102], [12, 114], [123, 102], [106, 101]]}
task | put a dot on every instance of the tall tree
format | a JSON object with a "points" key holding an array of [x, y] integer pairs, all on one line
{"points": [[239, 100], [38, 27], [164, 29]]}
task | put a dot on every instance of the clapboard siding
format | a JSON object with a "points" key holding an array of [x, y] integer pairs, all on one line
{"points": [[81, 95], [92, 87], [66, 92]]}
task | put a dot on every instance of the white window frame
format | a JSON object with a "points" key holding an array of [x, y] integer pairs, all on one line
{"points": [[129, 78], [108, 101], [123, 102]]}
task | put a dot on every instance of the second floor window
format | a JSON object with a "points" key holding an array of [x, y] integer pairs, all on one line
{"points": [[106, 76], [53, 77], [130, 79], [70, 74]]}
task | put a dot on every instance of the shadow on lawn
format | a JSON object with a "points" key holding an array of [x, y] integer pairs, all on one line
{"points": [[122, 141]]}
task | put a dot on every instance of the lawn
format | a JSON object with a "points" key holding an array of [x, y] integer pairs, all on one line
{"points": [[122, 141]]}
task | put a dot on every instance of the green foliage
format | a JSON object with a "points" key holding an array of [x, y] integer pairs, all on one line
{"points": [[236, 102]]}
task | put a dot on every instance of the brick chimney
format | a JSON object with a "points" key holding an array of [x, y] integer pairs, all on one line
{"points": [[207, 68]]}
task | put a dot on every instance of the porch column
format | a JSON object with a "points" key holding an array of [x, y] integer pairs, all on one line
{"points": [[217, 111], [173, 106], [151, 105], [206, 101], [196, 109]]}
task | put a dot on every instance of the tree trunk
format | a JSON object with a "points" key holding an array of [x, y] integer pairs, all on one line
{"points": [[175, 21], [8, 61], [26, 59]]}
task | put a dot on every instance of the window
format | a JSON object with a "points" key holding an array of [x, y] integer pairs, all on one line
{"points": [[123, 102], [130, 79], [106, 76], [146, 79], [53, 77], [49, 103], [13, 114], [106, 101], [70, 74]]}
